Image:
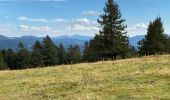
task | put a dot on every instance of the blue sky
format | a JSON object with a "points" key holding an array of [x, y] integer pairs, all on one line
{"points": [[70, 17]]}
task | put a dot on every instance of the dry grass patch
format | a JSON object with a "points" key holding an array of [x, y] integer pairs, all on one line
{"points": [[134, 79]]}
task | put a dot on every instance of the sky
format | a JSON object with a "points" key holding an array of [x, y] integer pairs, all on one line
{"points": [[76, 17]]}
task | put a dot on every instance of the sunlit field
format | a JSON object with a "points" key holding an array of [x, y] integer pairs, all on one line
{"points": [[133, 79]]}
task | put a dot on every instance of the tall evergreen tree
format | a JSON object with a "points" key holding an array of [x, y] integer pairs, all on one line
{"points": [[23, 57], [133, 52], [36, 56], [74, 54], [168, 45], [85, 51], [2, 64], [155, 40], [112, 36], [50, 52], [10, 58], [62, 54], [95, 49]]}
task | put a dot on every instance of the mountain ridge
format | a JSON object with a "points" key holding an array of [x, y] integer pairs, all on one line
{"points": [[12, 42]]}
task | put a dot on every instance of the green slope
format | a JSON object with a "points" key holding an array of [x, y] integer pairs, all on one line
{"points": [[132, 79]]}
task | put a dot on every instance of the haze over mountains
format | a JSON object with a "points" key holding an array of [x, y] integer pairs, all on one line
{"points": [[12, 42]]}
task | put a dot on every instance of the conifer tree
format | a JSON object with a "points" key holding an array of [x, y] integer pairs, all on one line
{"points": [[95, 49], [155, 40], [74, 54], [2, 64], [112, 37], [62, 54], [85, 51], [10, 58], [23, 57], [36, 56], [50, 52], [168, 45]]}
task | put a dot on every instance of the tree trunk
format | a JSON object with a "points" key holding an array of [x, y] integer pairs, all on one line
{"points": [[114, 57]]}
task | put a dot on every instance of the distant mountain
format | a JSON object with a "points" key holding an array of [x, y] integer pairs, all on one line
{"points": [[12, 42], [71, 40], [3, 37], [134, 40]]}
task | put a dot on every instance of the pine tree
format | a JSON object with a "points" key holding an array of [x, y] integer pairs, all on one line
{"points": [[155, 40], [133, 52], [23, 57], [50, 52], [62, 54], [74, 54], [85, 51], [77, 54], [112, 35], [2, 64], [36, 56], [10, 58], [168, 45], [95, 49]]}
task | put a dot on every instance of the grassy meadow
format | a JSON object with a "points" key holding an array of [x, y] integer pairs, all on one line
{"points": [[146, 78]]}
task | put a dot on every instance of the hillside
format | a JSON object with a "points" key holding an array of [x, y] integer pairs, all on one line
{"points": [[133, 79]]}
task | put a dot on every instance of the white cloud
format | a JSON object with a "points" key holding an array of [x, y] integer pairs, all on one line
{"points": [[23, 18], [139, 26], [57, 20], [83, 21], [83, 26], [23, 27], [34, 28], [37, 29], [90, 13], [137, 29], [3, 30]]}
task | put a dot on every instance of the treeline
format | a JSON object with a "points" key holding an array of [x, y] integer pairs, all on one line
{"points": [[110, 44], [42, 54]]}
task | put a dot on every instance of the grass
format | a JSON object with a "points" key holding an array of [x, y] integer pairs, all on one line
{"points": [[131, 79]]}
